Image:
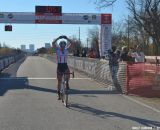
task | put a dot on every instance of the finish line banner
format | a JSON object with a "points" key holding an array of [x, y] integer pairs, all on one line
{"points": [[53, 15], [81, 18], [49, 18], [17, 17]]}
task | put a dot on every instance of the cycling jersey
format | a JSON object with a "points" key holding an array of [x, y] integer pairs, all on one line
{"points": [[62, 56]]}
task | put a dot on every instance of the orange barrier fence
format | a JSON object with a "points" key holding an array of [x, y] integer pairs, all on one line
{"points": [[143, 79]]}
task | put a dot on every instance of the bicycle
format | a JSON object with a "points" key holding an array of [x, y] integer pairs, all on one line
{"points": [[64, 91]]}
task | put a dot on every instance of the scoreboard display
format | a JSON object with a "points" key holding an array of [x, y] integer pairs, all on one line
{"points": [[8, 28], [48, 14], [48, 9]]}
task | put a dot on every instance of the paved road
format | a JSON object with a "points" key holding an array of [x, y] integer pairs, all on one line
{"points": [[28, 101]]}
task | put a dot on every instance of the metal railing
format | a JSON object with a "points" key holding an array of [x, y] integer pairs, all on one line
{"points": [[6, 61]]}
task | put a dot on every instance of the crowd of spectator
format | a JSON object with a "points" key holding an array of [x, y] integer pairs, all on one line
{"points": [[90, 53], [133, 55], [114, 56]]}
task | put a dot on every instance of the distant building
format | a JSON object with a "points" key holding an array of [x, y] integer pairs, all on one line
{"points": [[31, 47], [23, 47], [27, 50], [47, 45]]}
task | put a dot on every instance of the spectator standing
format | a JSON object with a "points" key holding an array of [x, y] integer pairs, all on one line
{"points": [[124, 54], [138, 55], [84, 53], [113, 56], [97, 55], [76, 53], [91, 54], [130, 57]]}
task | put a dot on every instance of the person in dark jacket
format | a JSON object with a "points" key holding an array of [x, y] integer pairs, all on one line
{"points": [[124, 54], [84, 53], [113, 56]]}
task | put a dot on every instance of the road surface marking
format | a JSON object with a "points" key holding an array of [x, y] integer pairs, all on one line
{"points": [[142, 104], [12, 78]]}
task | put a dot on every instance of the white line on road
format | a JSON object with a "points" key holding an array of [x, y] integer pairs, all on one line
{"points": [[142, 104], [41, 78], [12, 78]]}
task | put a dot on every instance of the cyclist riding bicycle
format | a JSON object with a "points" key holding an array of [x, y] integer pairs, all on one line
{"points": [[62, 67]]}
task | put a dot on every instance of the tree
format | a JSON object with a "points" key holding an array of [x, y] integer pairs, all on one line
{"points": [[146, 16], [104, 3], [77, 45], [137, 35], [93, 36], [42, 50], [119, 36]]}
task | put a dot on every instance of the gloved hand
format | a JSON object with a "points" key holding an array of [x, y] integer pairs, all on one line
{"points": [[63, 36]]}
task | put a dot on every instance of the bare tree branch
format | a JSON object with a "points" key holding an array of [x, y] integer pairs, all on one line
{"points": [[146, 13], [104, 3]]}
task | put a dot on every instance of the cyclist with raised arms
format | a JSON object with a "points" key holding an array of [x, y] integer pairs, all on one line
{"points": [[62, 54]]}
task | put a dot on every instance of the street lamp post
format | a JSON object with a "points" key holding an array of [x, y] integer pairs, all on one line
{"points": [[128, 31], [87, 42], [79, 34]]}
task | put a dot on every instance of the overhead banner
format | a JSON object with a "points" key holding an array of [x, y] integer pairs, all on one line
{"points": [[48, 19], [51, 18], [17, 17], [81, 18]]}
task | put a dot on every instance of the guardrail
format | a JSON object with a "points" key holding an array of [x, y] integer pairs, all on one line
{"points": [[99, 70], [96, 69], [6, 61]]}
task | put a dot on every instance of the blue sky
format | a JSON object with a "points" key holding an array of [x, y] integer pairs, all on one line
{"points": [[39, 34]]}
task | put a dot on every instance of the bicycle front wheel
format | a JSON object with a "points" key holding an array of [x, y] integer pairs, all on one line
{"points": [[66, 98]]}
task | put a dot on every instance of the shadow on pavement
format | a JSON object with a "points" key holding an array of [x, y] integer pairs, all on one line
{"points": [[103, 114], [85, 95], [6, 75], [41, 89], [74, 91], [9, 83]]}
